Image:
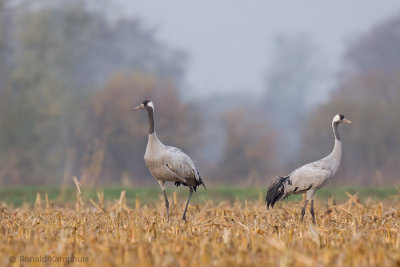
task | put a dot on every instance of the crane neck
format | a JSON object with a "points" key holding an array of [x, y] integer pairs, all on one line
{"points": [[336, 131], [150, 112], [337, 148], [335, 157]]}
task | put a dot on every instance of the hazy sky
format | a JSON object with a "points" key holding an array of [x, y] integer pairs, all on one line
{"points": [[230, 41]]}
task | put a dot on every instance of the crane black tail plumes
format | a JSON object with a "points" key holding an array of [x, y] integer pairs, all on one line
{"points": [[200, 182], [276, 191]]}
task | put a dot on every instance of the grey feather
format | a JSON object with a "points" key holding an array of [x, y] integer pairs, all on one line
{"points": [[170, 163]]}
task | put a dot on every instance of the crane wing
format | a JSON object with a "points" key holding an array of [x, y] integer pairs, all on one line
{"points": [[310, 176], [180, 165]]}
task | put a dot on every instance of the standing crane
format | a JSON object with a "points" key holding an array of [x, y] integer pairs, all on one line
{"points": [[310, 177], [167, 163]]}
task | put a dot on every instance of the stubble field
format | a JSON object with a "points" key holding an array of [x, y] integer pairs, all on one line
{"points": [[241, 233]]}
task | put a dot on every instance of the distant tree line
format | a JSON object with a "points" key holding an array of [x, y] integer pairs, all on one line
{"points": [[369, 92], [70, 76]]}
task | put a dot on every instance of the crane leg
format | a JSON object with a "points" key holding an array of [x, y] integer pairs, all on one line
{"points": [[312, 211], [166, 204], [303, 210], [187, 204]]}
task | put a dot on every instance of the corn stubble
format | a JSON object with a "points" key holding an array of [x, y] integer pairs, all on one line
{"points": [[222, 234]]}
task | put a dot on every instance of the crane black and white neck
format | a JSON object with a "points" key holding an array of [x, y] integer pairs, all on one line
{"points": [[310, 177], [168, 164]]}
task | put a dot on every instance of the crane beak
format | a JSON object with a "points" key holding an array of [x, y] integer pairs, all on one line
{"points": [[347, 121], [141, 106]]}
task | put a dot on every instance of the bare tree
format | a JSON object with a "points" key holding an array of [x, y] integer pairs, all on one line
{"points": [[63, 59], [369, 93], [249, 155], [290, 88]]}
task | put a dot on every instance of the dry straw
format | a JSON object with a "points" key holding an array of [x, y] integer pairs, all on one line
{"points": [[224, 234]]}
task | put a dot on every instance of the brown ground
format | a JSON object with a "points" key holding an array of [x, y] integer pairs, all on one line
{"points": [[223, 234]]}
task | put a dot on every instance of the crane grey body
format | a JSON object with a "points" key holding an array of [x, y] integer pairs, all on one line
{"points": [[168, 164], [310, 177]]}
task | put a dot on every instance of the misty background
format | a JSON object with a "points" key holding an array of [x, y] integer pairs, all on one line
{"points": [[247, 89]]}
